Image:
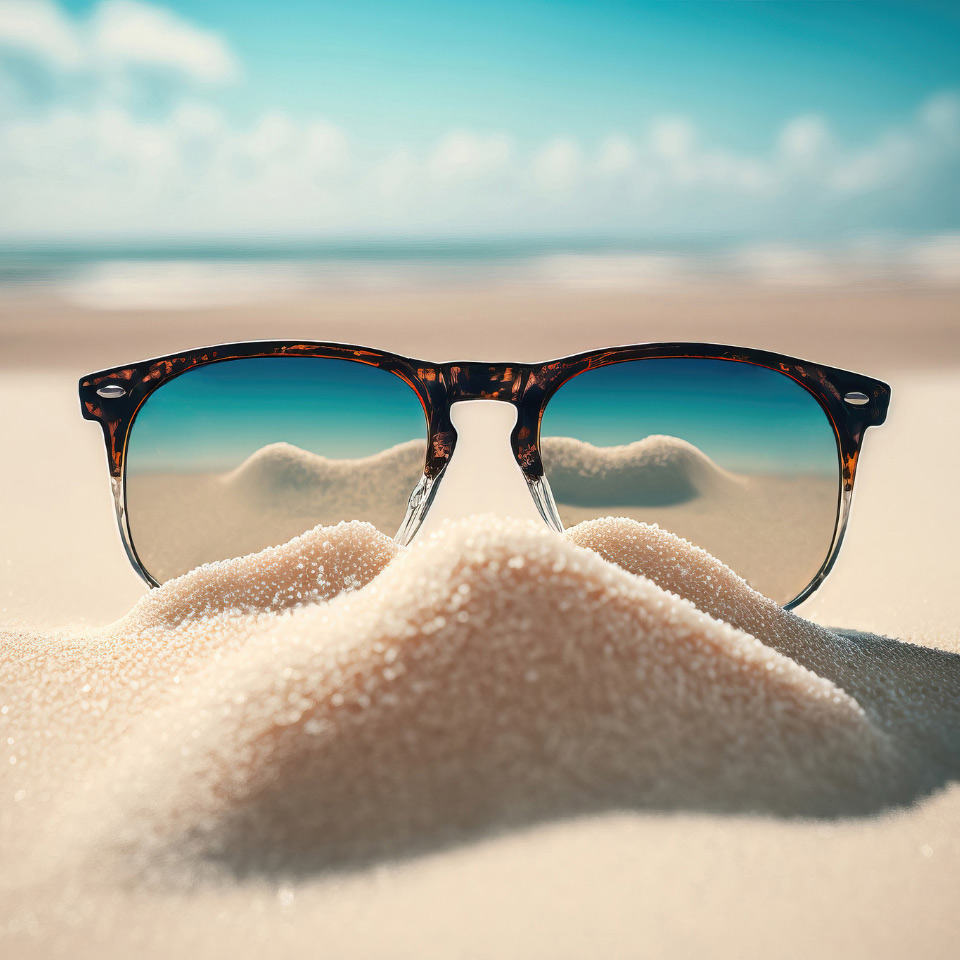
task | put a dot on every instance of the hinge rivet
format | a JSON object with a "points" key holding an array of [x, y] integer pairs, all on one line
{"points": [[111, 391]]}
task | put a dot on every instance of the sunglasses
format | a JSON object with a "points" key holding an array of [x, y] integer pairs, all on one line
{"points": [[223, 451]]}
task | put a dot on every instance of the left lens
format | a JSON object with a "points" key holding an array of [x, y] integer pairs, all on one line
{"points": [[238, 455], [736, 458]]}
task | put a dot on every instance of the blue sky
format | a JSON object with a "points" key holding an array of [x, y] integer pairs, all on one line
{"points": [[392, 70], [385, 117]]}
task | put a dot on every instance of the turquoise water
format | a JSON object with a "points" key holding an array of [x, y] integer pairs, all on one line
{"points": [[594, 260], [213, 417], [32, 262], [745, 418]]}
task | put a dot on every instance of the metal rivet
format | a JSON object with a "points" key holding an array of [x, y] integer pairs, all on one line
{"points": [[111, 391], [855, 398]]}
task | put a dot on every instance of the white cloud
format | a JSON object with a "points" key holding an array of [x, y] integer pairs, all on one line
{"points": [[131, 33], [555, 167], [807, 157], [327, 149], [617, 155], [673, 138], [118, 35], [881, 163], [940, 115], [805, 142], [38, 27], [101, 165], [393, 175], [463, 155]]}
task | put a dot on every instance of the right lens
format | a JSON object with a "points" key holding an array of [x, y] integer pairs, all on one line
{"points": [[736, 458], [237, 455]]}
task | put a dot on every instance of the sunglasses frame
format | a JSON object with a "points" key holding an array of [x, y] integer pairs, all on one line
{"points": [[851, 401]]}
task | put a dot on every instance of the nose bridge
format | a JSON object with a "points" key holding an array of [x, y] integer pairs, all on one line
{"points": [[484, 381]]}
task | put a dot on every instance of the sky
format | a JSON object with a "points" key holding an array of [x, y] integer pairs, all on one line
{"points": [[212, 118]]}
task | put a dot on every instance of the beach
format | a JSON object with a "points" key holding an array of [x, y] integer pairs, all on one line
{"points": [[501, 740]]}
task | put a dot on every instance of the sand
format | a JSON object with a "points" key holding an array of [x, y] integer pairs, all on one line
{"points": [[179, 520], [774, 530], [501, 741]]}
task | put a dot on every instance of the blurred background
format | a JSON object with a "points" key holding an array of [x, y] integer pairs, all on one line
{"points": [[198, 154], [506, 179]]}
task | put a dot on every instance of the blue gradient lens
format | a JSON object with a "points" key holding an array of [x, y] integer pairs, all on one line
{"points": [[238, 455], [736, 458]]}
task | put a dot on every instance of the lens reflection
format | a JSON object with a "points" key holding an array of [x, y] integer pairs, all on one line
{"points": [[239, 455], [738, 459]]}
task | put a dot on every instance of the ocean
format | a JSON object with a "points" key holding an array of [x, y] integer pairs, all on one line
{"points": [[180, 273]]}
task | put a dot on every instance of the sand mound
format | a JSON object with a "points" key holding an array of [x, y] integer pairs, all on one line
{"points": [[316, 566], [774, 530], [280, 472], [913, 692], [656, 471], [329, 701], [182, 520], [492, 676]]}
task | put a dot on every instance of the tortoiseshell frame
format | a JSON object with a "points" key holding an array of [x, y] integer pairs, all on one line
{"points": [[528, 386]]}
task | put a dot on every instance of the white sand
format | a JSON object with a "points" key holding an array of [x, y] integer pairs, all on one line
{"points": [[180, 520], [773, 530], [329, 702], [762, 789]]}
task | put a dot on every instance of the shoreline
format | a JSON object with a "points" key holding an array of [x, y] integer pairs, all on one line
{"points": [[870, 330]]}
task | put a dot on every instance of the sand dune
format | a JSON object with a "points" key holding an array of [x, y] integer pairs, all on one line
{"points": [[181, 520], [281, 475], [774, 531], [337, 699], [911, 692], [657, 471]]}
